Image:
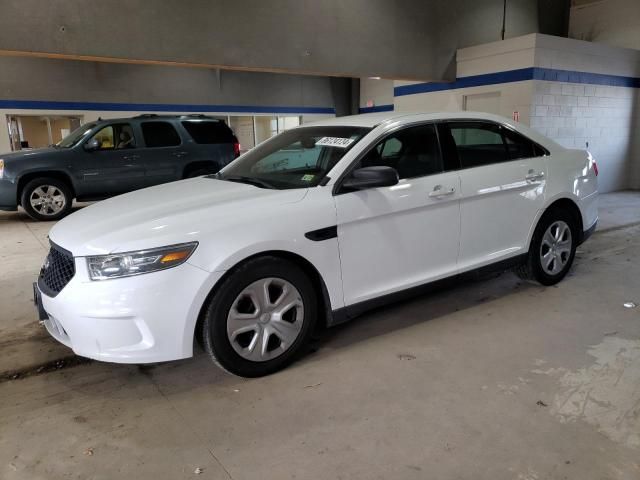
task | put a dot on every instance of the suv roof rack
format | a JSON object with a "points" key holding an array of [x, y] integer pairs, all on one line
{"points": [[147, 115], [199, 115]]}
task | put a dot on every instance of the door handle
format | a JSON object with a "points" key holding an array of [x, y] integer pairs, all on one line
{"points": [[532, 176], [180, 154], [132, 157], [438, 191]]}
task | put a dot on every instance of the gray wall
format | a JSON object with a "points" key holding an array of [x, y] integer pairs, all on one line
{"points": [[45, 79], [402, 39]]}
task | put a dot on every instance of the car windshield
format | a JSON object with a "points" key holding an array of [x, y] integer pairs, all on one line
{"points": [[74, 137], [297, 158]]}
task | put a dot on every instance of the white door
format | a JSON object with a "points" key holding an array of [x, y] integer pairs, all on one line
{"points": [[503, 183], [392, 238]]}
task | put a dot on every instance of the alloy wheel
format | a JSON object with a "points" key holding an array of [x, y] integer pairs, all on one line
{"points": [[47, 200], [555, 248], [265, 319]]}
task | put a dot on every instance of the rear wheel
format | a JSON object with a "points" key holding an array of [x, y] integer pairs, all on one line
{"points": [[552, 249], [46, 199], [260, 318]]}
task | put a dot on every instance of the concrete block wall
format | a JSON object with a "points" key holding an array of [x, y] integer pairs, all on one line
{"points": [[598, 118], [597, 111]]}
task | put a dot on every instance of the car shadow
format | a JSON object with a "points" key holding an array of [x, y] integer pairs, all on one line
{"points": [[189, 375]]}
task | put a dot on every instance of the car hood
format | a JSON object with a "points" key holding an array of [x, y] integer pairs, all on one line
{"points": [[177, 212], [27, 154]]}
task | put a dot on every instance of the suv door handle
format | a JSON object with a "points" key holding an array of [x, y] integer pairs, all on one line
{"points": [[532, 176], [180, 154], [438, 191], [131, 157]]}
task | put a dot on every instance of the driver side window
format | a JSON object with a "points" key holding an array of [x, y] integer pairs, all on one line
{"points": [[413, 152], [117, 136]]}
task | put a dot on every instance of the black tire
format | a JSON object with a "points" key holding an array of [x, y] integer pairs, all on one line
{"points": [[42, 182], [532, 268], [214, 327]]}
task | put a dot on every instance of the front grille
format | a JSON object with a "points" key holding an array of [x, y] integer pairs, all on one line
{"points": [[58, 269]]}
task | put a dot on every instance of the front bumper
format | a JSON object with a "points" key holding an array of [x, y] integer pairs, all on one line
{"points": [[8, 195], [141, 319]]}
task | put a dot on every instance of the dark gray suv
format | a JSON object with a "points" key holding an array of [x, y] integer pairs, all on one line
{"points": [[110, 157]]}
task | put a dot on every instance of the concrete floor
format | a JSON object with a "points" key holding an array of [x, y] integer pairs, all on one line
{"points": [[496, 379]]}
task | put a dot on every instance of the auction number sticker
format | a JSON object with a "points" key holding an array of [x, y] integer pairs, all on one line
{"points": [[335, 142]]}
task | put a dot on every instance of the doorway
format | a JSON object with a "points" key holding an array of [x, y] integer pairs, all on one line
{"points": [[37, 131]]}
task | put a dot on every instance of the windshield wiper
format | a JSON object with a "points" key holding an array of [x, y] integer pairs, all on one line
{"points": [[249, 180]]}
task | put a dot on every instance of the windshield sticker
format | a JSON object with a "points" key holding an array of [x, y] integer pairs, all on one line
{"points": [[308, 178], [335, 142]]}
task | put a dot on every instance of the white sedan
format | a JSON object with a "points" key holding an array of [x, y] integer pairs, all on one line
{"points": [[311, 228]]}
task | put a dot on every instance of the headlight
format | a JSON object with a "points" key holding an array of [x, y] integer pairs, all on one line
{"points": [[1, 168], [104, 267]]}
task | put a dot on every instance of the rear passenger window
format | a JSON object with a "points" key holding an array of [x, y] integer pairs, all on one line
{"points": [[160, 134], [478, 143], [519, 146], [208, 132]]}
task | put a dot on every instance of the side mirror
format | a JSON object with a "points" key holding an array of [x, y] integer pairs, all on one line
{"points": [[371, 177], [92, 145]]}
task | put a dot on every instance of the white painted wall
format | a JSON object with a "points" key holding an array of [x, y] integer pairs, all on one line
{"points": [[513, 97], [613, 22], [377, 90]]}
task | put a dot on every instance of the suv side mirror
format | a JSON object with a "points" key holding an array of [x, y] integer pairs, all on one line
{"points": [[92, 145], [371, 177]]}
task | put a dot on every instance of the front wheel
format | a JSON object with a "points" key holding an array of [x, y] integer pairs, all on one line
{"points": [[260, 318], [553, 248], [46, 199]]}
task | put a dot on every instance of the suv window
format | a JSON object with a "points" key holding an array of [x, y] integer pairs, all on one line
{"points": [[412, 151], [208, 131], [160, 134], [478, 143], [115, 136]]}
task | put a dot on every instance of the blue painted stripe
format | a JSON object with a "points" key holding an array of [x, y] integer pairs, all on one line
{"points": [[465, 82], [519, 75], [157, 107], [377, 108], [553, 75]]}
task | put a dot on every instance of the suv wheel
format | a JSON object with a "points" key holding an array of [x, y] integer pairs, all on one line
{"points": [[260, 317], [46, 199], [552, 249]]}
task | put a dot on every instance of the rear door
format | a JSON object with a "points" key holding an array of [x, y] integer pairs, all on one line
{"points": [[164, 153], [393, 238], [503, 183], [115, 167]]}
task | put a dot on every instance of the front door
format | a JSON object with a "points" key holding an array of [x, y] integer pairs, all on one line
{"points": [[114, 167], [503, 184], [393, 238]]}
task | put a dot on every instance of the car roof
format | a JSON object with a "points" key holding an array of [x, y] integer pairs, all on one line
{"points": [[371, 120], [153, 116]]}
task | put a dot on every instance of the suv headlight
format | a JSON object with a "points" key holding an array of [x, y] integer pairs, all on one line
{"points": [[104, 267]]}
